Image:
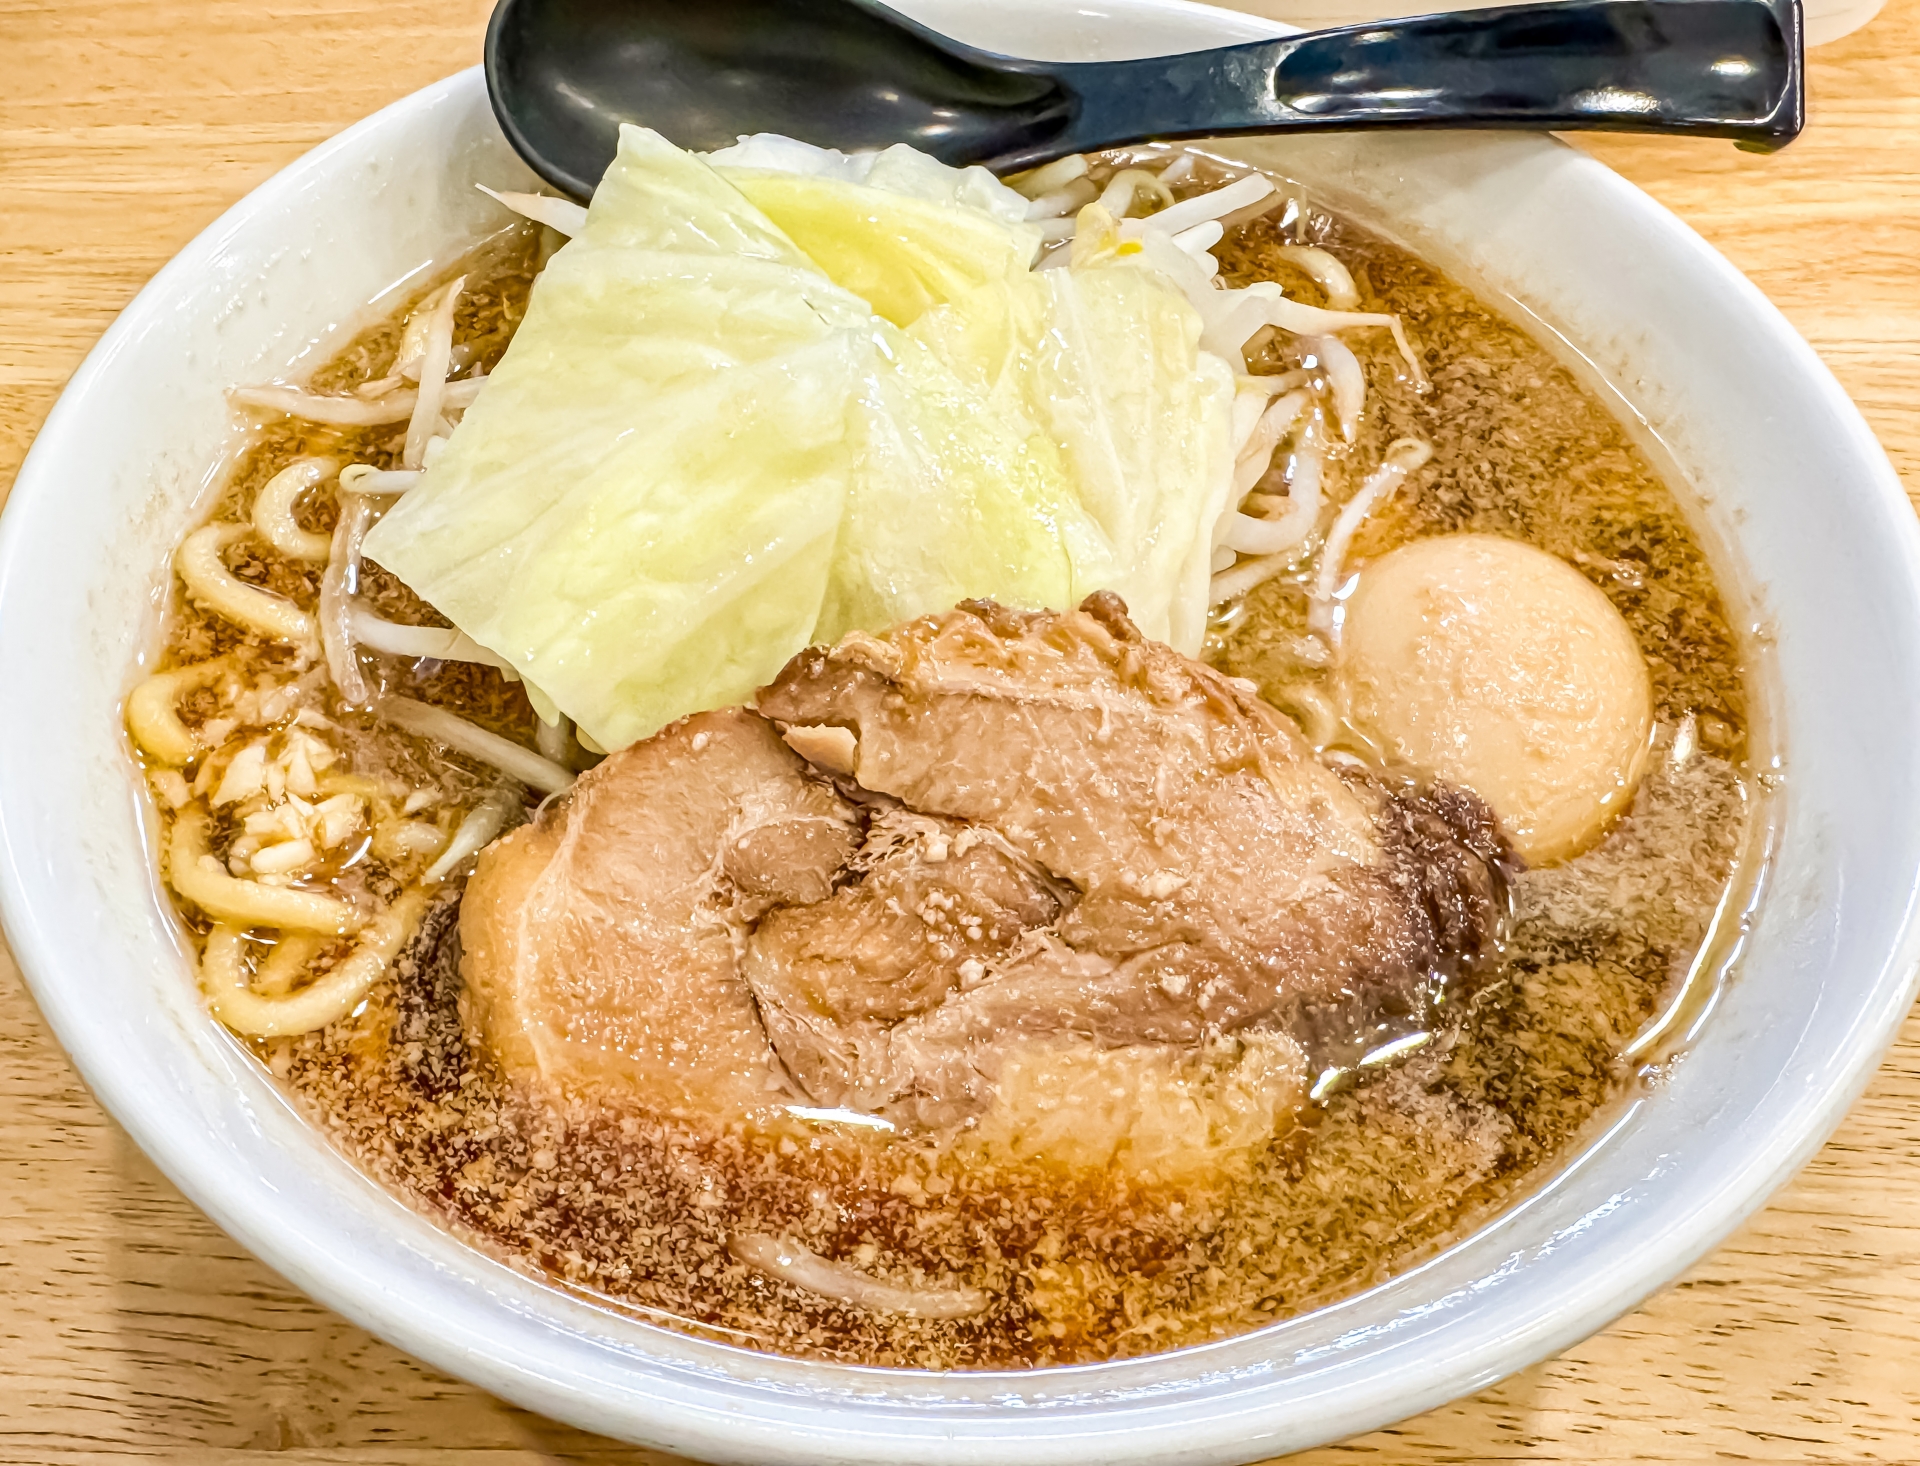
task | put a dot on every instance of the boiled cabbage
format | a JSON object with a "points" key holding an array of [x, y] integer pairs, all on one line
{"points": [[639, 511], [899, 253], [778, 395], [1106, 361], [957, 488], [951, 499], [1102, 362]]}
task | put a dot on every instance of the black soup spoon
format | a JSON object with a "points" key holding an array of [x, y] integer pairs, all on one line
{"points": [[564, 74]]}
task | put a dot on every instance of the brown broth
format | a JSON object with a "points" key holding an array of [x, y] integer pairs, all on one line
{"points": [[1390, 1165]]}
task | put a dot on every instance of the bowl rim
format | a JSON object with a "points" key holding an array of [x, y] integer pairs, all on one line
{"points": [[743, 1407]]}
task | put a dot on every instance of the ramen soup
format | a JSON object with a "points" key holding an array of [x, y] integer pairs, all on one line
{"points": [[876, 765]]}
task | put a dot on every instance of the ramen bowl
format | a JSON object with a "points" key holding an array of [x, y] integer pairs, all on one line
{"points": [[1817, 550]]}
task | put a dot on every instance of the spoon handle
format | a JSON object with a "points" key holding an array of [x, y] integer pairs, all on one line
{"points": [[1719, 68]]}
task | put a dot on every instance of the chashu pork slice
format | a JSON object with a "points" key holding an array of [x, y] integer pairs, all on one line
{"points": [[600, 942], [1217, 877], [1042, 878], [932, 909]]}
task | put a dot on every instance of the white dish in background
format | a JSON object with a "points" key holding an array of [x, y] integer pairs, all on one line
{"points": [[1790, 484]]}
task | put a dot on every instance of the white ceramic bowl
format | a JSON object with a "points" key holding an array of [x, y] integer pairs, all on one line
{"points": [[1817, 538]]}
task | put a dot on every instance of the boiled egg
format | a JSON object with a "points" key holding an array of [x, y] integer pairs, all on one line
{"points": [[1500, 668]]}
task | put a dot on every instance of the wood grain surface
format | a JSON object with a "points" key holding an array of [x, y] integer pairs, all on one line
{"points": [[132, 1330]]}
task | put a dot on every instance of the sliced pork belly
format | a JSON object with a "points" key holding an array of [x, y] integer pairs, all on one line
{"points": [[932, 907], [1222, 875], [1043, 877], [600, 941]]}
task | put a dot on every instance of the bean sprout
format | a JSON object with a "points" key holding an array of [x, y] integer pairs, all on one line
{"points": [[412, 351], [563, 216], [208, 581], [458, 734], [337, 588], [1051, 177], [1216, 204], [274, 506], [1124, 188], [1306, 472], [343, 412], [1069, 200], [1255, 459], [1275, 542], [1325, 271], [1201, 237], [551, 738], [479, 829], [349, 411], [1247, 534], [1246, 576], [1233, 317], [787, 1260], [1280, 382], [153, 709], [1308, 320], [1345, 380], [332, 997], [1249, 406], [433, 376], [1258, 209], [438, 643], [1403, 457], [197, 874]]}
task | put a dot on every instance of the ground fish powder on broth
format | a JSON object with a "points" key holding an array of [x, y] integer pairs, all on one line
{"points": [[1418, 1128]]}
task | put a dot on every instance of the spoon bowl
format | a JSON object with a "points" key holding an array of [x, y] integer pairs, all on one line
{"points": [[852, 74]]}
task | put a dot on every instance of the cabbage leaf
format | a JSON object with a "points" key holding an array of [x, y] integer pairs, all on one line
{"points": [[955, 493], [771, 397], [639, 511]]}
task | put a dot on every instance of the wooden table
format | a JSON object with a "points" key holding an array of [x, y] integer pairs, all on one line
{"points": [[130, 1329]]}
